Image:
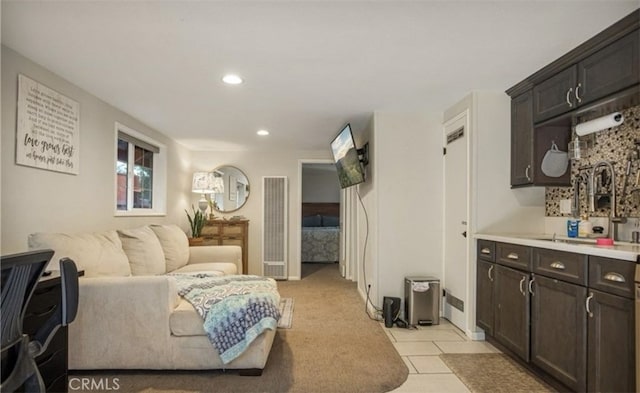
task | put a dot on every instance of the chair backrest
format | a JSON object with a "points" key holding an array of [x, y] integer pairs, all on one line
{"points": [[19, 276], [65, 314]]}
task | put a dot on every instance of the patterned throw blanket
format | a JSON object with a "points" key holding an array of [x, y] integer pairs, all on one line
{"points": [[236, 309]]}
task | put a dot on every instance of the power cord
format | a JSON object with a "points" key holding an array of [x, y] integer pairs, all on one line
{"points": [[364, 265]]}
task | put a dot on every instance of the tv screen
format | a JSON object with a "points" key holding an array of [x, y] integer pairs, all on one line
{"points": [[345, 154]]}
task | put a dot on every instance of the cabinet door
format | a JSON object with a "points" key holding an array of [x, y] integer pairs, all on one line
{"points": [[611, 355], [609, 70], [484, 296], [555, 95], [559, 330], [511, 326], [522, 139]]}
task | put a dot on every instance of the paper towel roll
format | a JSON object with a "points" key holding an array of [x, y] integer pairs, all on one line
{"points": [[599, 124]]}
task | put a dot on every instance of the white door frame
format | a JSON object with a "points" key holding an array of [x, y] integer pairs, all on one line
{"points": [[298, 209]]}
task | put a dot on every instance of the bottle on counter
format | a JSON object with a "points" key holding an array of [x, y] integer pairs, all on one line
{"points": [[572, 227], [585, 227]]}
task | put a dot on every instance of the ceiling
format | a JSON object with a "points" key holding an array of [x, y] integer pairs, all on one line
{"points": [[309, 67]]}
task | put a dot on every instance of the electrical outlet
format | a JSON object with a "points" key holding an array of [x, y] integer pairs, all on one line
{"points": [[565, 206]]}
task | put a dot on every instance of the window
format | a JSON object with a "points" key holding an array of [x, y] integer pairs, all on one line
{"points": [[140, 174]]}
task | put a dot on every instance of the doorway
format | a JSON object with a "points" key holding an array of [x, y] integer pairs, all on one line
{"points": [[456, 219], [320, 199]]}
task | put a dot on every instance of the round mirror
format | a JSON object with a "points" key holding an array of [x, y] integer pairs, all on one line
{"points": [[232, 189]]}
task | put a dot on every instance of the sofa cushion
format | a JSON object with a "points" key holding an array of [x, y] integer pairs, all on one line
{"points": [[209, 268], [143, 250], [175, 245], [185, 321], [98, 254]]}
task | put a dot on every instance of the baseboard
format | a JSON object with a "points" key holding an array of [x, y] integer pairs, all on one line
{"points": [[475, 336], [294, 278]]}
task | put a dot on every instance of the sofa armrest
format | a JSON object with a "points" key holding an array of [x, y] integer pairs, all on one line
{"points": [[208, 254], [113, 313]]}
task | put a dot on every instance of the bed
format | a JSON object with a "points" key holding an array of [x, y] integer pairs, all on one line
{"points": [[320, 240]]}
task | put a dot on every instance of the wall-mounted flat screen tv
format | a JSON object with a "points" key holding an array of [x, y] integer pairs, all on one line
{"points": [[345, 154]]}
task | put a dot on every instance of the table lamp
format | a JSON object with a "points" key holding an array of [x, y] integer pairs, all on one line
{"points": [[203, 183]]}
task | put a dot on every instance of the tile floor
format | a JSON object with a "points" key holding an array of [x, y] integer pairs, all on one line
{"points": [[419, 348]]}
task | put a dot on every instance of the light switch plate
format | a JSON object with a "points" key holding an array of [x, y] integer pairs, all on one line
{"points": [[565, 206]]}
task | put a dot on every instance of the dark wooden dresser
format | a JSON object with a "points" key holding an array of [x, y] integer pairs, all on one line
{"points": [[53, 362], [228, 233]]}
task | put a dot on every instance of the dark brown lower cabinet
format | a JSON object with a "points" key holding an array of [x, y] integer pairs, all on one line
{"points": [[484, 298], [611, 356], [559, 330], [512, 302]]}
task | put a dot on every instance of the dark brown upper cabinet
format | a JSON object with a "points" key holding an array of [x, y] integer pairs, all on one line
{"points": [[556, 95], [600, 76], [607, 71], [522, 168]]}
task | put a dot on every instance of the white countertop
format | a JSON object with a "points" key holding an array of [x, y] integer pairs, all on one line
{"points": [[620, 250]]}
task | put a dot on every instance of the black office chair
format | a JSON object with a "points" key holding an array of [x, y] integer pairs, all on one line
{"points": [[20, 275]]}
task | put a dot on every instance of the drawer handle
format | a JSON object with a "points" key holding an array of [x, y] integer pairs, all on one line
{"points": [[485, 251], [45, 312], [615, 277], [567, 97], [587, 304], [489, 273], [522, 286], [513, 255], [557, 266]]}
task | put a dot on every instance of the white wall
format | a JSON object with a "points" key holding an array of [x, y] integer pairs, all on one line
{"points": [[409, 198], [35, 200], [320, 184], [256, 165]]}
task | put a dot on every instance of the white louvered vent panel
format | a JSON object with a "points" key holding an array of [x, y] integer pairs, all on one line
{"points": [[274, 242]]}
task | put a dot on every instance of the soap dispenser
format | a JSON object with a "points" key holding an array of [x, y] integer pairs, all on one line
{"points": [[585, 228]]}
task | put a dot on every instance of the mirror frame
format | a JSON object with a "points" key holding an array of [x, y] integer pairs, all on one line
{"points": [[220, 169]]}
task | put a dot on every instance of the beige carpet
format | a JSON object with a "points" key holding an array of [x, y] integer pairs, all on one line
{"points": [[493, 372], [332, 347]]}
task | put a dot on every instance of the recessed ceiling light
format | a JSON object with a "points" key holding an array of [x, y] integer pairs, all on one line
{"points": [[262, 132], [232, 79]]}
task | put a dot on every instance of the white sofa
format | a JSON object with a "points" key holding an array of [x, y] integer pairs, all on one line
{"points": [[130, 315]]}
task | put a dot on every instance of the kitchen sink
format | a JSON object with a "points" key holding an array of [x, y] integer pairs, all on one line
{"points": [[569, 241]]}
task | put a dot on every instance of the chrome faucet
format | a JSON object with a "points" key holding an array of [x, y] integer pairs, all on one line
{"points": [[613, 219]]}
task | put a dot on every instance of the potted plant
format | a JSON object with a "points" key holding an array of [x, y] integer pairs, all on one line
{"points": [[196, 222]]}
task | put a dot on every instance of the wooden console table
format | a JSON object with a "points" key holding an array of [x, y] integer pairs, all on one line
{"points": [[228, 233]]}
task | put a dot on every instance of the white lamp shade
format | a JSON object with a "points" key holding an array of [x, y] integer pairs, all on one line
{"points": [[203, 182]]}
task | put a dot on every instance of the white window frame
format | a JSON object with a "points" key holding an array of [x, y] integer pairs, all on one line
{"points": [[159, 176]]}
